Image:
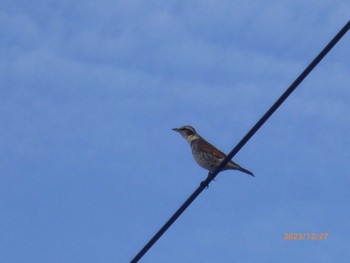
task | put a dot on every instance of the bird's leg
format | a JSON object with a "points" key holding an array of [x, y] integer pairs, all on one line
{"points": [[210, 175]]}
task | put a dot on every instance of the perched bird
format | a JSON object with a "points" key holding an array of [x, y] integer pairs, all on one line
{"points": [[205, 154]]}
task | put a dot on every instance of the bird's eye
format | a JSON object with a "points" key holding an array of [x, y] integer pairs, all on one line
{"points": [[189, 132]]}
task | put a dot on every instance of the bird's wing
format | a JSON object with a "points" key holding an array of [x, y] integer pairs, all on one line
{"points": [[207, 147]]}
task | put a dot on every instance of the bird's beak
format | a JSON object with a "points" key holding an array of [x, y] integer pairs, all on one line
{"points": [[175, 129]]}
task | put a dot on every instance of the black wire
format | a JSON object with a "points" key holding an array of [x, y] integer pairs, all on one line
{"points": [[244, 140]]}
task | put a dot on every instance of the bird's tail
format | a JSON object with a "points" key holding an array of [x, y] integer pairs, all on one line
{"points": [[233, 165], [245, 171]]}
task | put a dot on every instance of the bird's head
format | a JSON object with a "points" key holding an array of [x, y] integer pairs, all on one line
{"points": [[188, 132]]}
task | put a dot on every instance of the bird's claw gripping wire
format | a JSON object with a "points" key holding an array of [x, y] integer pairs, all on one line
{"points": [[203, 184], [206, 183]]}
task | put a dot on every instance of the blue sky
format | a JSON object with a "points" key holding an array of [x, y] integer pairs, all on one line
{"points": [[90, 168]]}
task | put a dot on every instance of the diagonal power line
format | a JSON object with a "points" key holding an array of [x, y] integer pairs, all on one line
{"points": [[244, 140]]}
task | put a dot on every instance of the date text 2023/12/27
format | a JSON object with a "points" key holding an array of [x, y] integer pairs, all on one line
{"points": [[305, 236]]}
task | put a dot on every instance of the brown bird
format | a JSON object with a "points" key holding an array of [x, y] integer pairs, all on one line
{"points": [[205, 154]]}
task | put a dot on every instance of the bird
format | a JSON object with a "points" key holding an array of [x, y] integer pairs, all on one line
{"points": [[205, 154]]}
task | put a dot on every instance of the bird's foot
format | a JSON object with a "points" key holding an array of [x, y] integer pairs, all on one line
{"points": [[204, 184]]}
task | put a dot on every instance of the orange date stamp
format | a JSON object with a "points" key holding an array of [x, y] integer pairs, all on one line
{"points": [[305, 236]]}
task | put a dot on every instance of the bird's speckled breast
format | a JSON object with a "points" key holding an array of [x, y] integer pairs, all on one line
{"points": [[205, 160]]}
